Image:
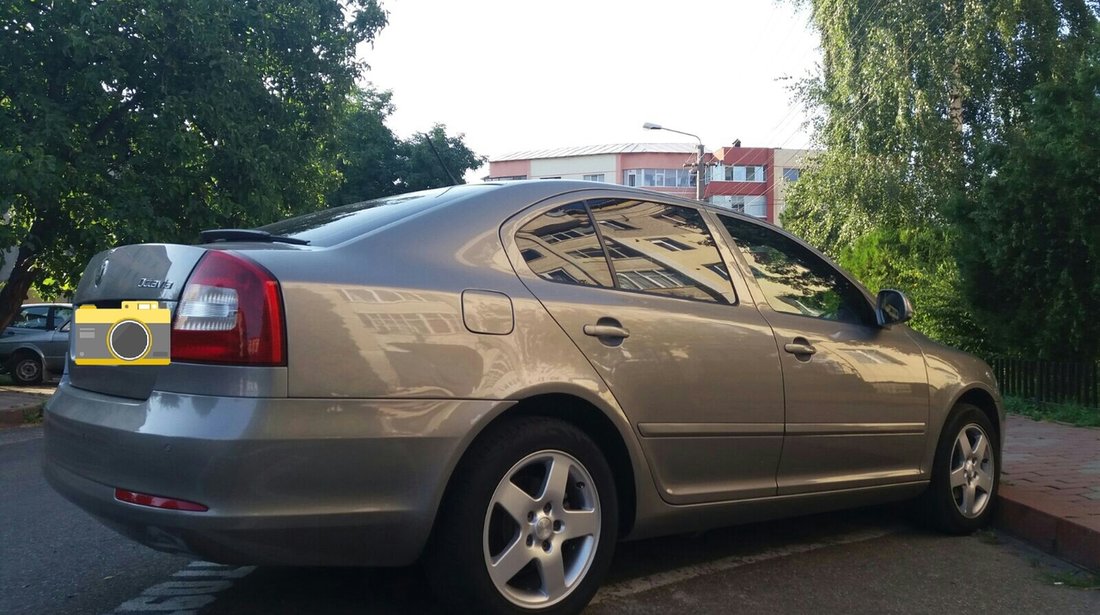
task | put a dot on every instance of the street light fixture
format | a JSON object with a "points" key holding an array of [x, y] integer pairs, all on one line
{"points": [[700, 166]]}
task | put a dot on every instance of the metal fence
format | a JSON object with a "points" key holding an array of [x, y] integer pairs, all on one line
{"points": [[1049, 381]]}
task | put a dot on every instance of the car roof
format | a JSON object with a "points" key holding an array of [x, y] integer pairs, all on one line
{"points": [[538, 189], [26, 305]]}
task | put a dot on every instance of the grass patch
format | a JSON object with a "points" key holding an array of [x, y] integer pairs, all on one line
{"points": [[33, 414], [1077, 579], [1081, 416], [989, 537]]}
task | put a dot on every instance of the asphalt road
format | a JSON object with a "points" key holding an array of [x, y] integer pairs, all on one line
{"points": [[56, 559]]}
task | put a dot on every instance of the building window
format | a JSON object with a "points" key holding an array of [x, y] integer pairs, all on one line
{"points": [[791, 174], [593, 252], [561, 246], [618, 226], [720, 269], [566, 235], [669, 244], [739, 173], [646, 279], [554, 177], [659, 178], [561, 275], [756, 206], [617, 250], [596, 177], [506, 178]]}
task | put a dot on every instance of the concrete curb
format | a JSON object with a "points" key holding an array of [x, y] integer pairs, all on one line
{"points": [[1071, 539], [13, 417], [13, 405]]}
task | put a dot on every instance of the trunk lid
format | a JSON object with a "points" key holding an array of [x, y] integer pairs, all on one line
{"points": [[144, 272]]}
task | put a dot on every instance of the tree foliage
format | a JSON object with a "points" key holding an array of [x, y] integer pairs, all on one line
{"points": [[366, 148], [1031, 254], [911, 96], [373, 162], [148, 120], [919, 261]]}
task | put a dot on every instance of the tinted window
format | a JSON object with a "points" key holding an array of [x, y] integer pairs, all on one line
{"points": [[661, 249], [329, 227], [32, 318], [61, 315], [562, 246], [794, 280]]}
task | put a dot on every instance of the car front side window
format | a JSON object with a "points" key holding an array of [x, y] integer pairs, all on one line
{"points": [[793, 279], [32, 318]]}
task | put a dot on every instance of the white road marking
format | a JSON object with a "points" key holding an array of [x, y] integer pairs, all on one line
{"points": [[630, 587], [198, 584]]}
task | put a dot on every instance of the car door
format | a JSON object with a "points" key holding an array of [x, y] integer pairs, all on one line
{"points": [[856, 393], [57, 345], [643, 291]]}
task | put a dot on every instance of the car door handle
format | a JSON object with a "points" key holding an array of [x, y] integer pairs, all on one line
{"points": [[606, 331], [800, 347]]}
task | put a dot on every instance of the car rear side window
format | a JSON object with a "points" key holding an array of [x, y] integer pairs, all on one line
{"points": [[561, 246], [661, 249], [793, 279]]}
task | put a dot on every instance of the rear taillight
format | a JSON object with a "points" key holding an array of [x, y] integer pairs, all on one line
{"points": [[230, 311]]}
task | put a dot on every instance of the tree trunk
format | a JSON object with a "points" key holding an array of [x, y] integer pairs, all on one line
{"points": [[14, 292]]}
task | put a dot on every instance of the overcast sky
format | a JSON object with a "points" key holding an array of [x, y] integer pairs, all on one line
{"points": [[517, 75]]}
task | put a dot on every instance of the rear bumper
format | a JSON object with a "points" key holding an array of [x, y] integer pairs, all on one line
{"points": [[287, 481]]}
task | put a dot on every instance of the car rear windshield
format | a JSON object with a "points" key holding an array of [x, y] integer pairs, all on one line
{"points": [[333, 226]]}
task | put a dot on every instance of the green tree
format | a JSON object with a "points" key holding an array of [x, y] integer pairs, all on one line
{"points": [[919, 261], [149, 120], [429, 160], [1031, 254], [367, 151], [374, 163], [909, 93]]}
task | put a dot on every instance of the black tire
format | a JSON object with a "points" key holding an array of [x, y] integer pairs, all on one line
{"points": [[26, 369], [943, 505], [472, 527]]}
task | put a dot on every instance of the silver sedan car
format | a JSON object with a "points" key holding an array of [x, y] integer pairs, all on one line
{"points": [[501, 381]]}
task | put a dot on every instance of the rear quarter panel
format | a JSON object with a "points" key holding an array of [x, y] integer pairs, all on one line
{"points": [[382, 317]]}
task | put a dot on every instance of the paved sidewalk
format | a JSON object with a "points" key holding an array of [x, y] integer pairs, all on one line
{"points": [[1050, 489]]}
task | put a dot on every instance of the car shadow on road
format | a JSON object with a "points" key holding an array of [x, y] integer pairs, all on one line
{"points": [[638, 565]]}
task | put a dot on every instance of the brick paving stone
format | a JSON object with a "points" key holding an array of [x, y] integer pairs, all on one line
{"points": [[1051, 489]]}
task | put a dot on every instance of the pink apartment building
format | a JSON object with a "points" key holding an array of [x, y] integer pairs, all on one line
{"points": [[746, 179]]}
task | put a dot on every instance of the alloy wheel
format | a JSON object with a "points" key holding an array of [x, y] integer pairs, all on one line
{"points": [[541, 530], [972, 471]]}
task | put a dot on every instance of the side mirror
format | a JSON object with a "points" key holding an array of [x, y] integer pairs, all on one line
{"points": [[892, 307]]}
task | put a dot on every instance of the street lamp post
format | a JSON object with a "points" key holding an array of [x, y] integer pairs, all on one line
{"points": [[700, 166]]}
